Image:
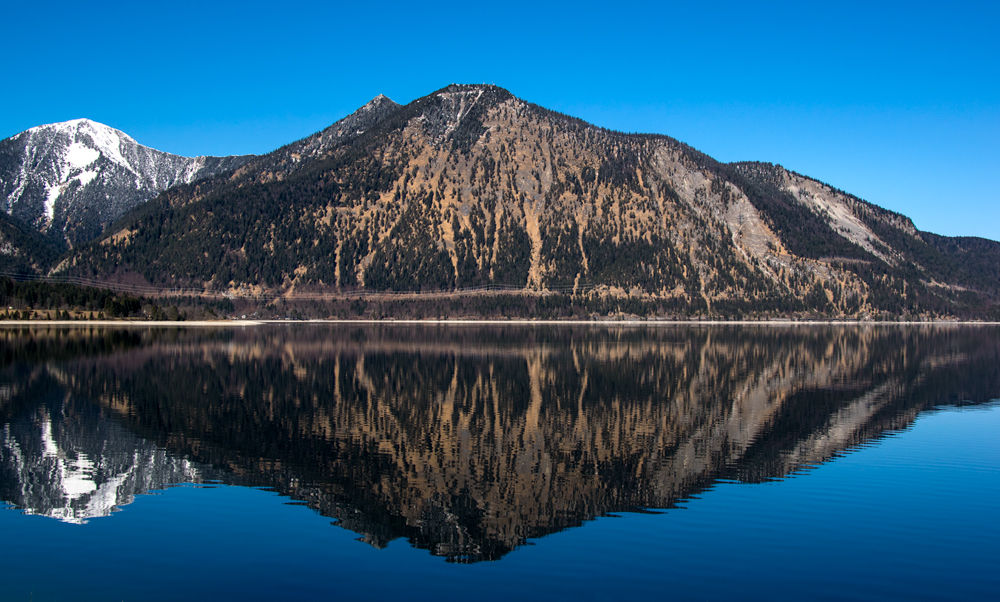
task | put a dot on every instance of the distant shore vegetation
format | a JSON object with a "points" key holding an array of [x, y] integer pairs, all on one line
{"points": [[38, 300]]}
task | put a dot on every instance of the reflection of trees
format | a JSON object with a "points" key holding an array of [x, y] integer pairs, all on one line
{"points": [[470, 440]]}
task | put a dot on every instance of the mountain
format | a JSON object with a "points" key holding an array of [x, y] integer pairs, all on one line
{"points": [[70, 180], [471, 187], [22, 249]]}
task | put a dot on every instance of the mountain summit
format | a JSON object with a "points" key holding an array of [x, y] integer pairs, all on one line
{"points": [[70, 180], [471, 187]]}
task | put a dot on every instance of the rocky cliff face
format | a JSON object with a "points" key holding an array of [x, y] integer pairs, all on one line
{"points": [[471, 187], [70, 180]]}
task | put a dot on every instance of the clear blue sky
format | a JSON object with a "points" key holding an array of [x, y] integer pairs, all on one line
{"points": [[898, 103]]}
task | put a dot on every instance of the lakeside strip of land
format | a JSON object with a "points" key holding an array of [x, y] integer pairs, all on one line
{"points": [[652, 322]]}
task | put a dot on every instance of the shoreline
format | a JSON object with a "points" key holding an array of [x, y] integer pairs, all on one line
{"points": [[518, 322]]}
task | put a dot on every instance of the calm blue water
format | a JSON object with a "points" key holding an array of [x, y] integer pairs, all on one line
{"points": [[903, 508]]}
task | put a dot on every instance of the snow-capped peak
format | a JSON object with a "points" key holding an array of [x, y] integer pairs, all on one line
{"points": [[80, 175], [103, 139]]}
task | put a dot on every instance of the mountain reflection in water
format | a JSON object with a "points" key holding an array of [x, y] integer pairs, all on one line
{"points": [[466, 440]]}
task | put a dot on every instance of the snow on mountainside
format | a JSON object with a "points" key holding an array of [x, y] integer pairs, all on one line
{"points": [[69, 180]]}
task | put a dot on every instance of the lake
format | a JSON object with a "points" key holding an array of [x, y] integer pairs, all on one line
{"points": [[499, 461]]}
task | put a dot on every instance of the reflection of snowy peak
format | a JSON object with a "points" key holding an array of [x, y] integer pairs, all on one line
{"points": [[75, 470], [72, 179]]}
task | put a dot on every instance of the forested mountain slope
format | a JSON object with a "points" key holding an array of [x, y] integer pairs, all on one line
{"points": [[470, 187]]}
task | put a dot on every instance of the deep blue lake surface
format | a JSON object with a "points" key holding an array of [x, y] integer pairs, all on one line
{"points": [[497, 462]]}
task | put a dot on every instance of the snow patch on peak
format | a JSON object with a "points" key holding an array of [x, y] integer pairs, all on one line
{"points": [[86, 177], [79, 156], [62, 127], [107, 140], [84, 138]]}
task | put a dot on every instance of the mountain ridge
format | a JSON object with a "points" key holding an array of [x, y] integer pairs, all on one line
{"points": [[69, 180], [470, 186]]}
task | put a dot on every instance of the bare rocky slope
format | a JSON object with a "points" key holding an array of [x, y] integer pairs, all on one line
{"points": [[472, 187]]}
